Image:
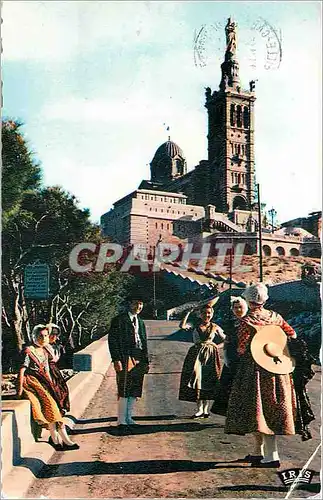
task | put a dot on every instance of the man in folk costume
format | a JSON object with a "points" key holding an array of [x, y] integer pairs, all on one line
{"points": [[262, 400], [127, 341]]}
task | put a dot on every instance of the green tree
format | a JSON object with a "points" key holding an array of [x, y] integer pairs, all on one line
{"points": [[44, 224], [20, 170], [47, 227]]}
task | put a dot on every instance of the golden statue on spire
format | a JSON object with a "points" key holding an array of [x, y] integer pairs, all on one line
{"points": [[231, 38]]}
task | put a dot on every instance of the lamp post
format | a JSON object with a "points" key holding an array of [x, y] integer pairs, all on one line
{"points": [[272, 212], [154, 278], [154, 296], [260, 235], [230, 268]]}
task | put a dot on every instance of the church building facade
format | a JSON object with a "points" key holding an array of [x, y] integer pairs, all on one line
{"points": [[219, 188], [217, 199]]}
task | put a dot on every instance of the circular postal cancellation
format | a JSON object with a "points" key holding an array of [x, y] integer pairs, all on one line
{"points": [[259, 44]]}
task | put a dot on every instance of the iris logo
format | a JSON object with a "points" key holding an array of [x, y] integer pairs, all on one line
{"points": [[290, 476]]}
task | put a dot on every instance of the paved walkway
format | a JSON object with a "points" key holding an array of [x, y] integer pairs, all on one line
{"points": [[169, 455]]}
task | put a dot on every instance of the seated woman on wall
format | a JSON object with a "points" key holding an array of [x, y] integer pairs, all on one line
{"points": [[36, 383], [201, 368], [56, 348]]}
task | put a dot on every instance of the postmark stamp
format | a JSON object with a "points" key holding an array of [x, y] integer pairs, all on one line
{"points": [[260, 44], [207, 44], [273, 42]]}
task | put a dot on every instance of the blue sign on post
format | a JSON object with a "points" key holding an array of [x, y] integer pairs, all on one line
{"points": [[36, 281]]}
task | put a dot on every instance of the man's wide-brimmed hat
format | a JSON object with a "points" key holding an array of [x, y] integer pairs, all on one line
{"points": [[135, 297], [270, 350]]}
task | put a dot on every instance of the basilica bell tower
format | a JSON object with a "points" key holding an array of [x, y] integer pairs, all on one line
{"points": [[231, 135]]}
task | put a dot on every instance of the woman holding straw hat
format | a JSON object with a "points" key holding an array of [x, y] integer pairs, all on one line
{"points": [[262, 400], [201, 368]]}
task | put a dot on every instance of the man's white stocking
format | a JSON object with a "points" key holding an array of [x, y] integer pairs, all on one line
{"points": [[130, 406], [122, 411]]}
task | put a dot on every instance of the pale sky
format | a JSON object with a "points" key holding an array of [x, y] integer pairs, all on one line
{"points": [[97, 83]]}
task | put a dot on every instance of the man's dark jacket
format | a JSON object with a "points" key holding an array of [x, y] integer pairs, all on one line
{"points": [[121, 342]]}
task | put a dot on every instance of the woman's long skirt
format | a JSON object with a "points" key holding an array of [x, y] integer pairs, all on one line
{"points": [[44, 408], [210, 373], [60, 387], [260, 401]]}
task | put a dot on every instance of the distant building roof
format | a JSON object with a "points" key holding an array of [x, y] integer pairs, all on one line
{"points": [[294, 231]]}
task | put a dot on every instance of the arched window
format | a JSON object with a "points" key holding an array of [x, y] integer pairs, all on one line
{"points": [[239, 149], [156, 225], [239, 203], [239, 116], [239, 179], [162, 225], [294, 252], [280, 250], [246, 117], [232, 123], [266, 250], [248, 249]]}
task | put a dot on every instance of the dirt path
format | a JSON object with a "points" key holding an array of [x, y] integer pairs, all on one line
{"points": [[169, 455]]}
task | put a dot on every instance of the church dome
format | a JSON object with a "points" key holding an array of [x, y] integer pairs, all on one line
{"points": [[168, 163], [169, 149]]}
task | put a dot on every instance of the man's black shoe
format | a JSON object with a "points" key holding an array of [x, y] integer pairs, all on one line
{"points": [[123, 430], [252, 458]]}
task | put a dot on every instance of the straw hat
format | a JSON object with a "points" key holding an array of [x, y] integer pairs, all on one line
{"points": [[270, 351], [213, 301]]}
